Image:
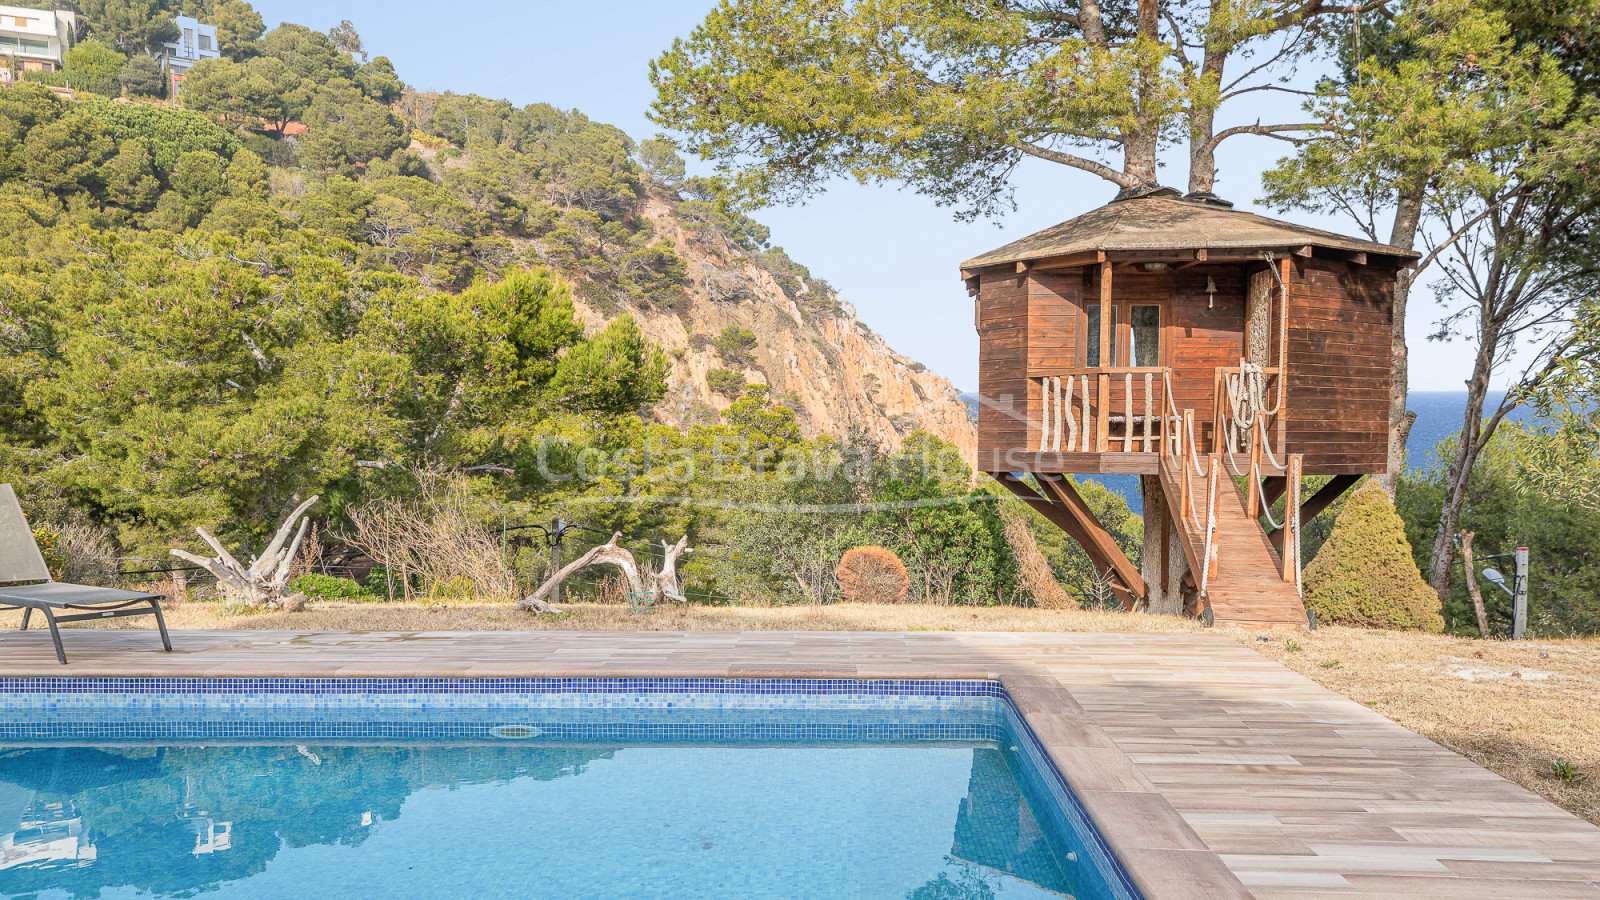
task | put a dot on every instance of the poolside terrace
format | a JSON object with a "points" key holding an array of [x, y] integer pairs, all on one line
{"points": [[1211, 770]]}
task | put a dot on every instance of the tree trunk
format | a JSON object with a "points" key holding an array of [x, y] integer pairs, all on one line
{"points": [[665, 583], [1141, 142], [1203, 116], [1407, 216], [1472, 584], [1471, 442]]}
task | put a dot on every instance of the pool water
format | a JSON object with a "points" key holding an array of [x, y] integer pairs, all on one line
{"points": [[926, 801]]}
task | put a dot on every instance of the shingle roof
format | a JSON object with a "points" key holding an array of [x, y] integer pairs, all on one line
{"points": [[1166, 223]]}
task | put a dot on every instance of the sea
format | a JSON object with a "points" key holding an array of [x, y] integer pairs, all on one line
{"points": [[1439, 415]]}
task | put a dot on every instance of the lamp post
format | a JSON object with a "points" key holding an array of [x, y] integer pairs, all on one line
{"points": [[1518, 591]]}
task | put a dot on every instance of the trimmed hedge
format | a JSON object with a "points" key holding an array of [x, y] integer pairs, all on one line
{"points": [[1365, 574]]}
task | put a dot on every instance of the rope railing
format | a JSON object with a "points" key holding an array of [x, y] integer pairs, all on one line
{"points": [[1066, 405], [1266, 445]]}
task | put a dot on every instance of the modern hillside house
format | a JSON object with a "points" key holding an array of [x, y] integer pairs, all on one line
{"points": [[196, 41], [1219, 355], [34, 39]]}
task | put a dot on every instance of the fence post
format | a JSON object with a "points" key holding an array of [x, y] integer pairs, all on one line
{"points": [[555, 556], [1519, 621]]}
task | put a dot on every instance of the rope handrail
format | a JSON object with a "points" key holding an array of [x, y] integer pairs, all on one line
{"points": [[1194, 453], [1266, 508], [1266, 444]]}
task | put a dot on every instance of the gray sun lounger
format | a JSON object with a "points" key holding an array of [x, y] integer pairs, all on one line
{"points": [[20, 560]]}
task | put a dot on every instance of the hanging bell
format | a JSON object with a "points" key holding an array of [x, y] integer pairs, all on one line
{"points": [[1211, 292]]}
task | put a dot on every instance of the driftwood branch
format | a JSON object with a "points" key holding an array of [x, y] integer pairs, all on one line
{"points": [[263, 582], [663, 583]]}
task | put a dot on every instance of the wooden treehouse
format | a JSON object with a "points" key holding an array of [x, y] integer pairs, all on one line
{"points": [[1219, 355]]}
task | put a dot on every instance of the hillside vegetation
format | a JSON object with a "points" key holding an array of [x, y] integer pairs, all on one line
{"points": [[490, 313]]}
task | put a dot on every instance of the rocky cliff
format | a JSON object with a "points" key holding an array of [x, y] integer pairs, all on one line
{"points": [[839, 376]]}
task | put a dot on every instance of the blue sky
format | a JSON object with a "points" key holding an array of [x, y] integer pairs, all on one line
{"points": [[892, 253]]}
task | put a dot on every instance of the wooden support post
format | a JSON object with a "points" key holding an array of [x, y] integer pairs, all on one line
{"points": [[1282, 422], [1083, 527], [1219, 409], [1101, 547], [1105, 316], [1103, 381], [1291, 511]]}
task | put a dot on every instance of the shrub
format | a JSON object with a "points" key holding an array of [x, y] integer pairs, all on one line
{"points": [[328, 588], [49, 547], [872, 575], [726, 382], [1365, 574], [735, 344]]}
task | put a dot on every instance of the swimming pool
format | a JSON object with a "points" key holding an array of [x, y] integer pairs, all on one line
{"points": [[572, 788]]}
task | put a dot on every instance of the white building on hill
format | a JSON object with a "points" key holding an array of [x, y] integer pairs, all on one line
{"points": [[195, 42], [33, 39]]}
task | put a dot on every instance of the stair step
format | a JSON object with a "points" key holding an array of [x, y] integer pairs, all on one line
{"points": [[1246, 585]]}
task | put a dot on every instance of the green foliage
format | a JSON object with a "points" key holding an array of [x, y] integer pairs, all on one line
{"points": [[727, 382], [50, 548], [347, 130], [613, 373], [734, 344], [127, 25], [1450, 97], [95, 60], [662, 164], [1365, 574], [1564, 457], [130, 178], [379, 81], [200, 323], [141, 76], [1507, 508], [166, 133], [1562, 770], [329, 588], [63, 157], [238, 26], [195, 387]]}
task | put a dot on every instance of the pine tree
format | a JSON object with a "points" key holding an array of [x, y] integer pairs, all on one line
{"points": [[1366, 575]]}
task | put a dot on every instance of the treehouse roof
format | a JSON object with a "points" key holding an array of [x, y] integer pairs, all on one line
{"points": [[1161, 222]]}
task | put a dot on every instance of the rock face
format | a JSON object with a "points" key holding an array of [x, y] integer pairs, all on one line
{"points": [[841, 378]]}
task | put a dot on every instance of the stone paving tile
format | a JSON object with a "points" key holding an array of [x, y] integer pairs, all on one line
{"points": [[1213, 771]]}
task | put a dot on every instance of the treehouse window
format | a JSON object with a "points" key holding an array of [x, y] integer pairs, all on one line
{"points": [[1092, 318], [1144, 345]]}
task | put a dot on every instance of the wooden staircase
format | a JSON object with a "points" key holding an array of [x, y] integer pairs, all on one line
{"points": [[1245, 584]]}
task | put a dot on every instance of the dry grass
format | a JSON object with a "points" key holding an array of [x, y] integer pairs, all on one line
{"points": [[1512, 707], [467, 616]]}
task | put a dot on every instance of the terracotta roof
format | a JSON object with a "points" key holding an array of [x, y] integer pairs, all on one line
{"points": [[1168, 223]]}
